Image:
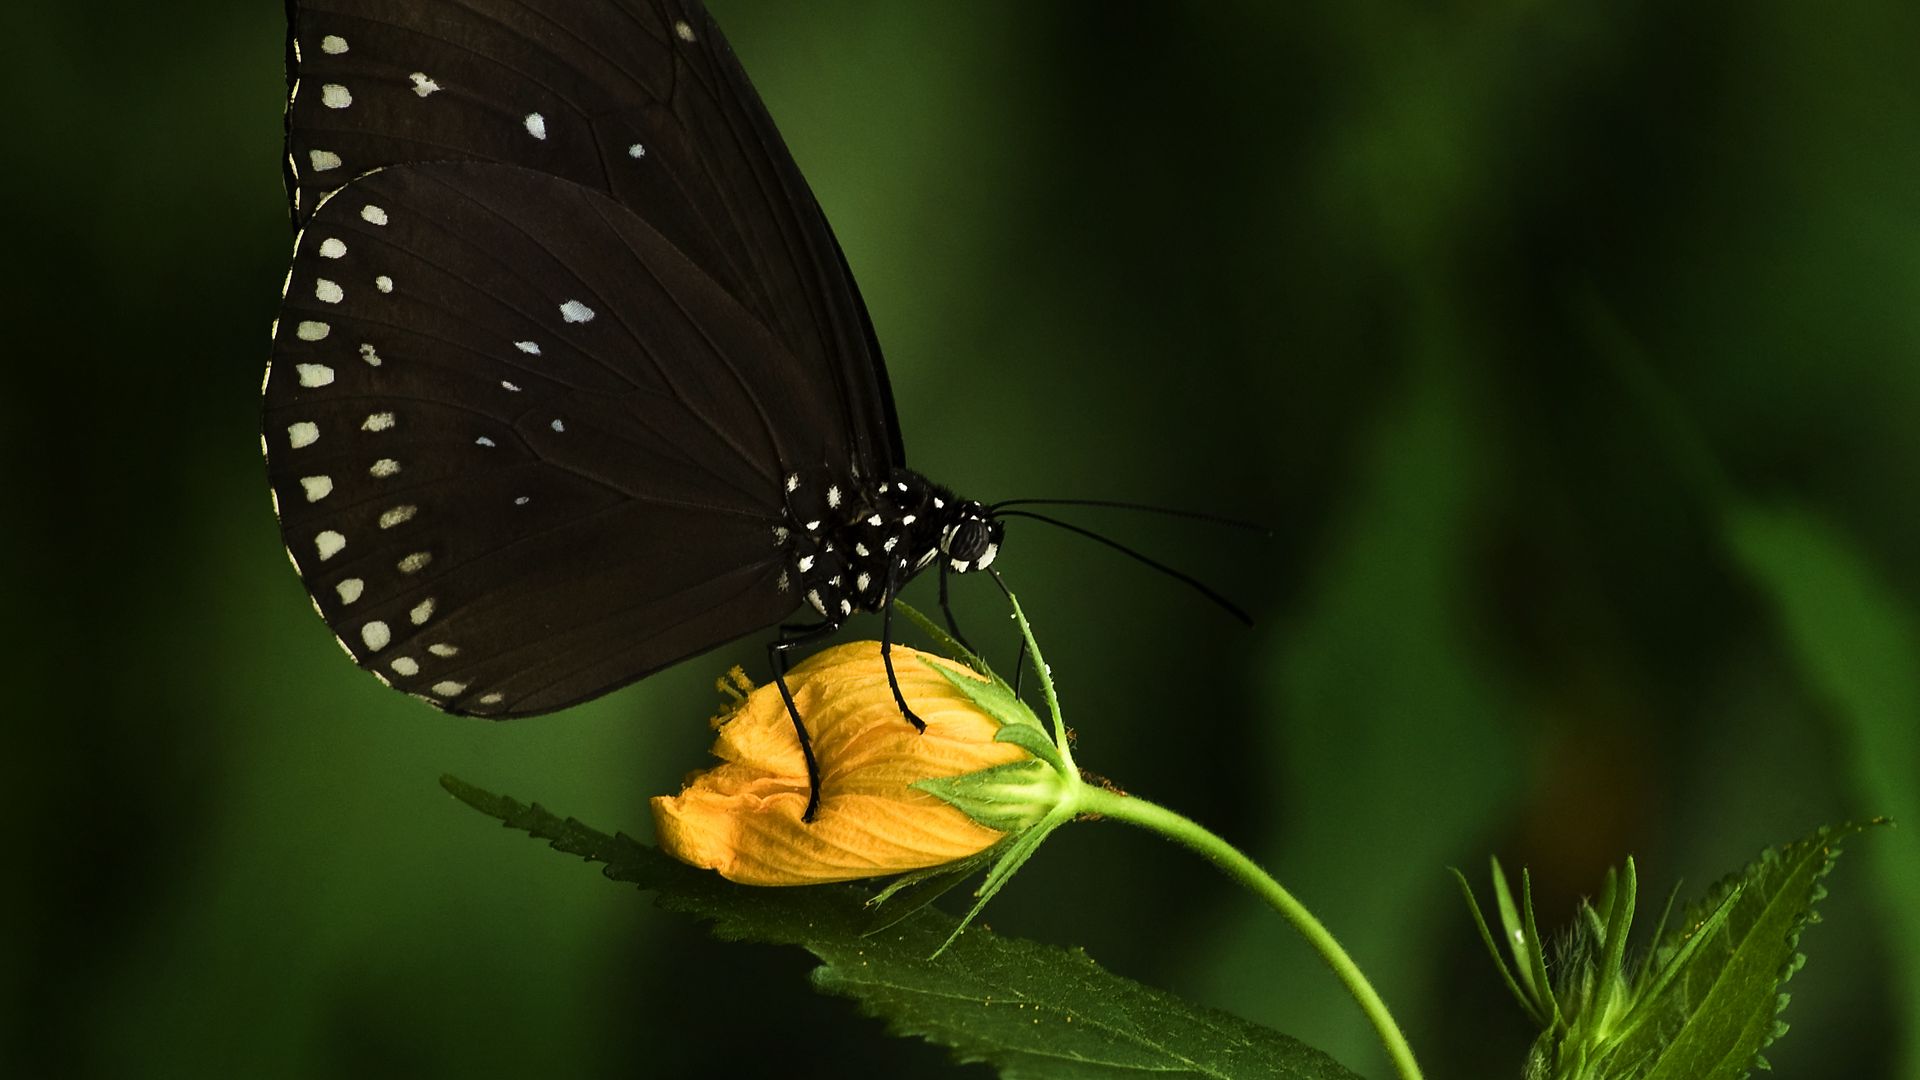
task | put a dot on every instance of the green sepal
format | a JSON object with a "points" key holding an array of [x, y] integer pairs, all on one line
{"points": [[1018, 724], [1033, 741], [916, 889], [993, 696], [1018, 851], [1010, 798], [949, 645], [1493, 949]]}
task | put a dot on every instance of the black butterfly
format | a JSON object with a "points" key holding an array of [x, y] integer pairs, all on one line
{"points": [[571, 380]]}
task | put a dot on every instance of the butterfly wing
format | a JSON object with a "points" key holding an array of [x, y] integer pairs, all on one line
{"points": [[522, 451], [641, 100]]}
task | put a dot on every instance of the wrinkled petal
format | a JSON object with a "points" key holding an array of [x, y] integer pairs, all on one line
{"points": [[742, 817]]}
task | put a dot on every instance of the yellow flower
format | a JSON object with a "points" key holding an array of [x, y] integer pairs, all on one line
{"points": [[742, 818]]}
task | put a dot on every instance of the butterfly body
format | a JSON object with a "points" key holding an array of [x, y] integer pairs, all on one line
{"points": [[851, 545]]}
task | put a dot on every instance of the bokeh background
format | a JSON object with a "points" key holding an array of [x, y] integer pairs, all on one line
{"points": [[1571, 348]]}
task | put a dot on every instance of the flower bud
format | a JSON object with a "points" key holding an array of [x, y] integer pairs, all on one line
{"points": [[742, 817]]}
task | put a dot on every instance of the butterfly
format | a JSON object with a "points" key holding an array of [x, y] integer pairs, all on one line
{"points": [[570, 380]]}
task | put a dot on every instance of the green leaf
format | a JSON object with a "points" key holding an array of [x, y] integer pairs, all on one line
{"points": [[1721, 1008], [1853, 640], [1027, 1009]]}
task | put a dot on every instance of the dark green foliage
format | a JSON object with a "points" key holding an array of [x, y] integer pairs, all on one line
{"points": [[1030, 1010]]}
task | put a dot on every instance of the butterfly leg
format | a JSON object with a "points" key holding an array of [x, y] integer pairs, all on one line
{"points": [[886, 655], [953, 625], [791, 636]]}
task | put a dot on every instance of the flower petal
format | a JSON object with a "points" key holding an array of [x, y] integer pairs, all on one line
{"points": [[742, 818]]}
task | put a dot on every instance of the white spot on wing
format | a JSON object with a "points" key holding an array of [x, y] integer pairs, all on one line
{"points": [[531, 348], [492, 699], [328, 544], [333, 45], [335, 96], [423, 85], [483, 441], [369, 355], [303, 434], [373, 215], [449, 688], [443, 650], [636, 151], [383, 283], [332, 248], [833, 497], [323, 160], [384, 468], [312, 331], [421, 612], [376, 635], [399, 515], [312, 375], [317, 487], [536, 125], [380, 421], [576, 312], [522, 500], [681, 29], [327, 292], [350, 589], [558, 426], [413, 563], [509, 386], [405, 665]]}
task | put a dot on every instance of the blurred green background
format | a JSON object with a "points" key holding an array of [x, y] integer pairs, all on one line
{"points": [[1570, 347]]}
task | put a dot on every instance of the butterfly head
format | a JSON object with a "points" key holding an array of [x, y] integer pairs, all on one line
{"points": [[971, 538]]}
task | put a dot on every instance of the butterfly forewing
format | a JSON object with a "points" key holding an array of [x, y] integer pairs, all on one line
{"points": [[641, 100], [523, 451]]}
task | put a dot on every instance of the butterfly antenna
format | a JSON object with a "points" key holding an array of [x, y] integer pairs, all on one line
{"points": [[1167, 511], [1189, 580]]}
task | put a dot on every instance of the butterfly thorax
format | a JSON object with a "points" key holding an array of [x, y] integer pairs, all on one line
{"points": [[852, 543]]}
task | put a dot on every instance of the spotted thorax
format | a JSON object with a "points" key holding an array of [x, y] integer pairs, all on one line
{"points": [[851, 545]]}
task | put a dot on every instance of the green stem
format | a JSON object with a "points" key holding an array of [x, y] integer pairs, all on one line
{"points": [[1159, 819]]}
